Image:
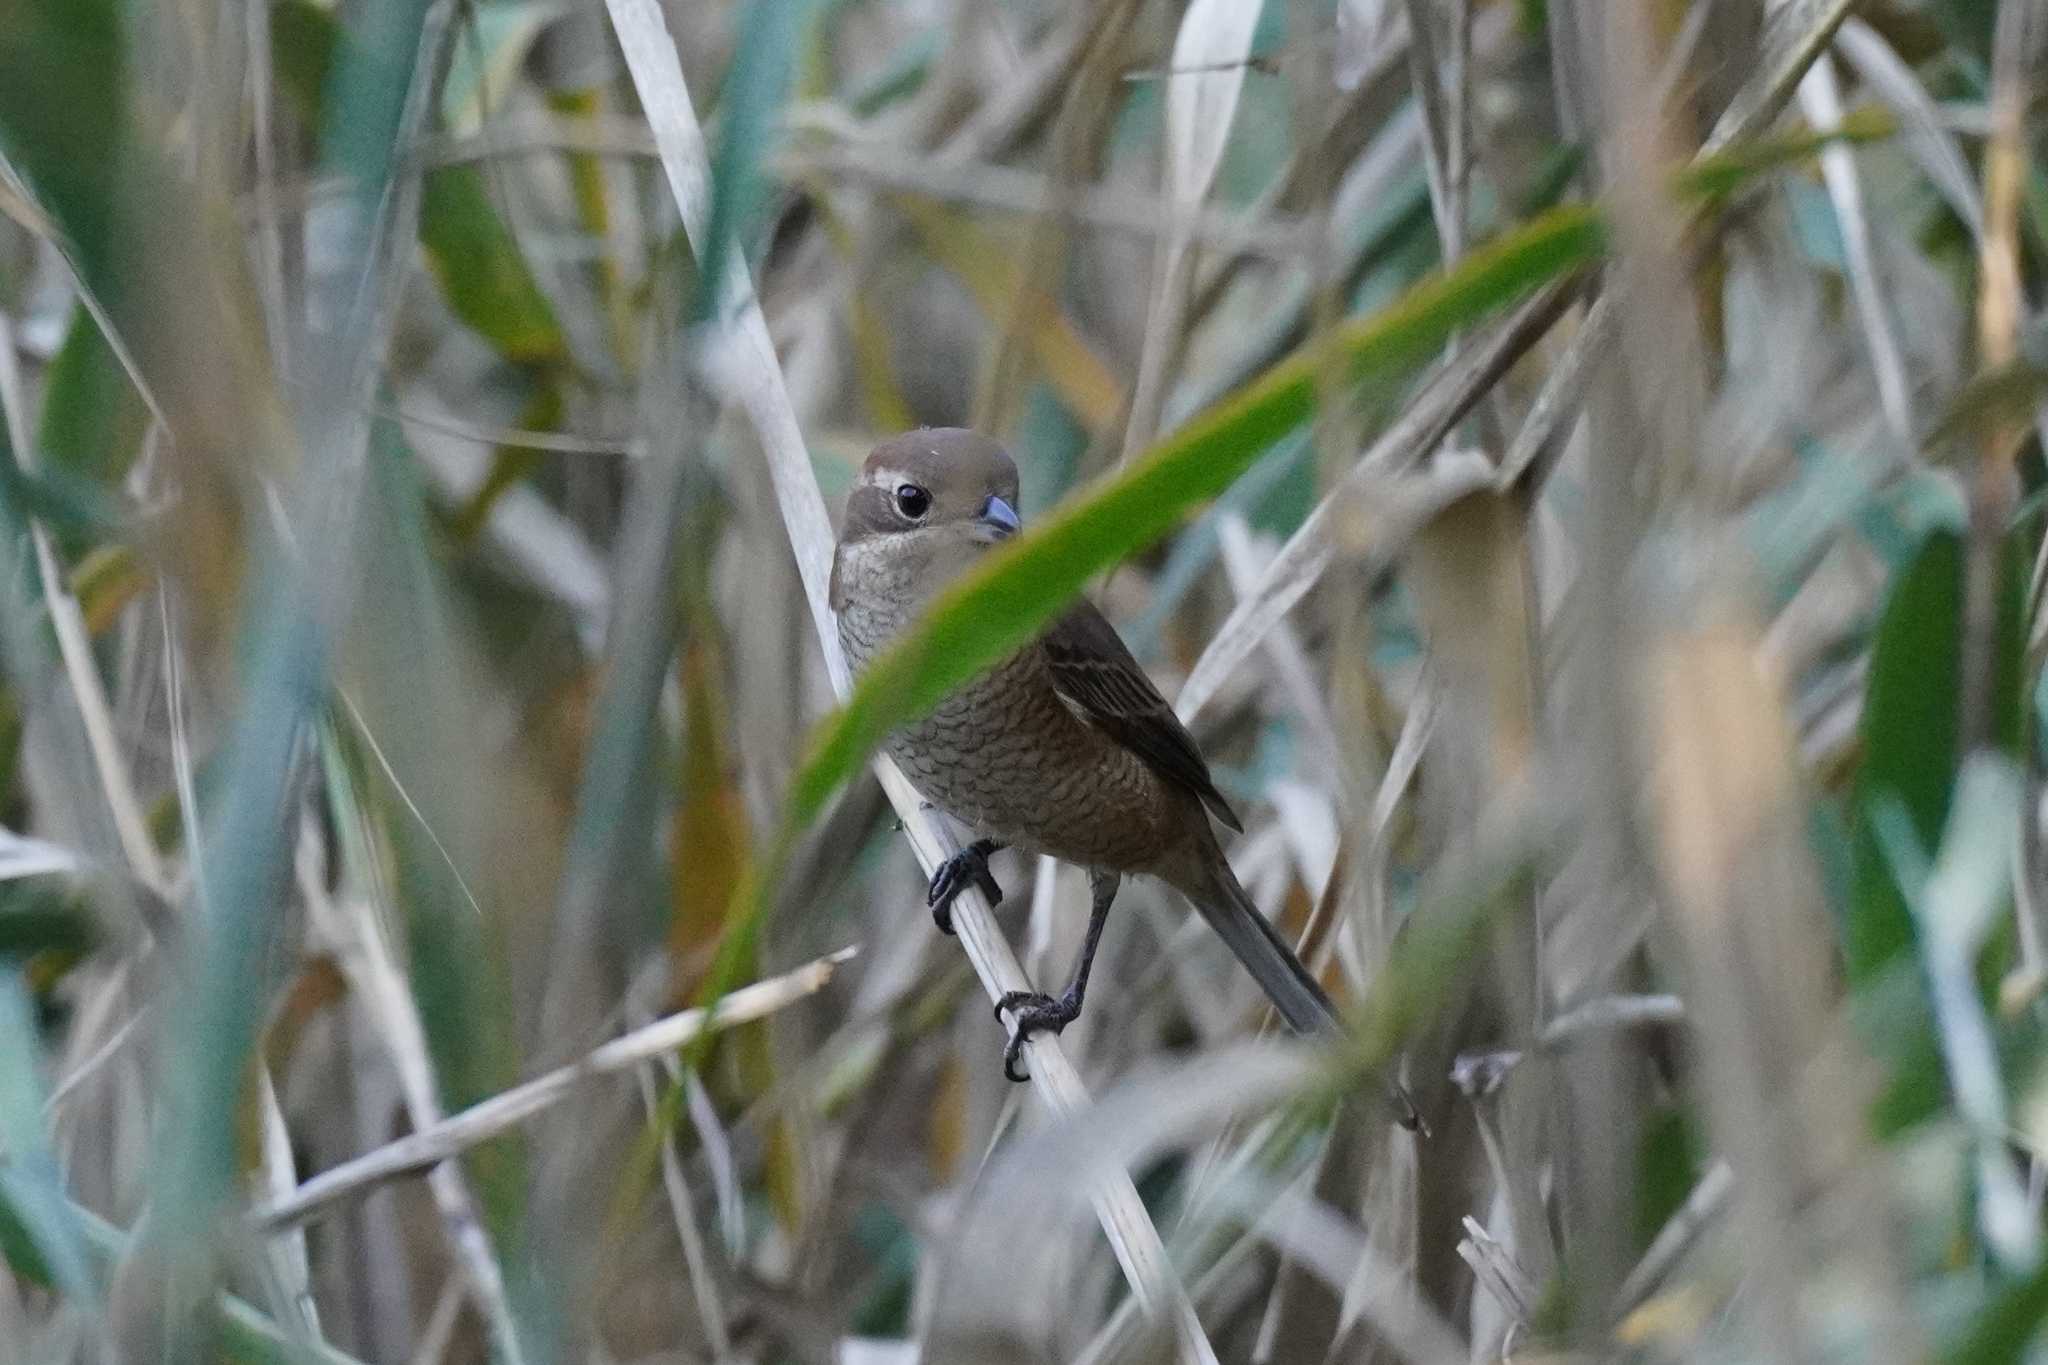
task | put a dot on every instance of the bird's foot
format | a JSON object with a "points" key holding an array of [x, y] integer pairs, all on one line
{"points": [[969, 865], [1035, 1012]]}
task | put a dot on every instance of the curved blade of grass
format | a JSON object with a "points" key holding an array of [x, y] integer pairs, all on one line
{"points": [[1887, 76], [31, 1178], [1021, 587]]}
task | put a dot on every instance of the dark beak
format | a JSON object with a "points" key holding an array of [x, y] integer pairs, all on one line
{"points": [[998, 520]]}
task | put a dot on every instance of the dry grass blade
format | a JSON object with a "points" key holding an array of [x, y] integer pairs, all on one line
{"points": [[1965, 894], [1800, 32], [1311, 1233], [1921, 127], [374, 979], [25, 857], [749, 371], [74, 646], [1676, 1237], [275, 1177], [1201, 100], [1373, 506], [1495, 1267], [1821, 97], [1444, 191], [1611, 1012], [741, 359], [687, 1232], [1008, 189], [1725, 781], [457, 1133]]}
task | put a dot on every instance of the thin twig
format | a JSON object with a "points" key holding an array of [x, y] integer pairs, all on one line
{"points": [[709, 1309], [484, 1120], [1676, 1237], [101, 1055], [1612, 1012]]}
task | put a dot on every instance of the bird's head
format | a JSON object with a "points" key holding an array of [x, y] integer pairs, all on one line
{"points": [[928, 502]]}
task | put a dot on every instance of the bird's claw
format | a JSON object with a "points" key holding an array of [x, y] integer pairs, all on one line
{"points": [[970, 864], [1035, 1012]]}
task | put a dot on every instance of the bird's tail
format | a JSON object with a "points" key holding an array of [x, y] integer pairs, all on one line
{"points": [[1254, 941], [1222, 901]]}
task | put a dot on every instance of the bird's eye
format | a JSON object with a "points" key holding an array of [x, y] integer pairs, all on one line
{"points": [[912, 501]]}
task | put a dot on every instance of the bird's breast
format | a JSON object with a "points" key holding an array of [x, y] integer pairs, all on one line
{"points": [[1005, 756]]}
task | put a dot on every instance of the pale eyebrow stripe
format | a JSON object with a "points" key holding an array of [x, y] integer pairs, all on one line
{"points": [[886, 478]]}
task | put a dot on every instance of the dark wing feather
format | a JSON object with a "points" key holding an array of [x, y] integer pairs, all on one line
{"points": [[1096, 676]]}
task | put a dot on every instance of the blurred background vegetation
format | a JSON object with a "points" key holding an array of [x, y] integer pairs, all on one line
{"points": [[1578, 464]]}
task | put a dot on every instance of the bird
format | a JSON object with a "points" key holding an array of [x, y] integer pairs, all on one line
{"points": [[1065, 747]]}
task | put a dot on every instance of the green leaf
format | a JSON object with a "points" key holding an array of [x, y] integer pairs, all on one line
{"points": [[31, 1179], [1910, 731], [63, 112], [1020, 587], [246, 1336], [303, 37], [483, 274], [93, 419], [2007, 1326], [752, 99], [1714, 177], [1900, 805]]}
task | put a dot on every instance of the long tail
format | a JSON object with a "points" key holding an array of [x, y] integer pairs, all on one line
{"points": [[1222, 902], [1254, 941]]}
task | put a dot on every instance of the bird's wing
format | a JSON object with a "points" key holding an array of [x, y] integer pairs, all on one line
{"points": [[1100, 682]]}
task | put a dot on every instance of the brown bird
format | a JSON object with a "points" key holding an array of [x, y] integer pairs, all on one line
{"points": [[1064, 748]]}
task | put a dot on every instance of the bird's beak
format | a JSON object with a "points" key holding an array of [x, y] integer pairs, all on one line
{"points": [[998, 520]]}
